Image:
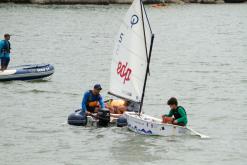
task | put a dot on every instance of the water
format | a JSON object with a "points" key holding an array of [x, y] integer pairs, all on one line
{"points": [[199, 56]]}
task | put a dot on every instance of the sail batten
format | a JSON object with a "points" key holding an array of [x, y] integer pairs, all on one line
{"points": [[131, 54]]}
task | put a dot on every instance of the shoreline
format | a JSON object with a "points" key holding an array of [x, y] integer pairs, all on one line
{"points": [[107, 2]]}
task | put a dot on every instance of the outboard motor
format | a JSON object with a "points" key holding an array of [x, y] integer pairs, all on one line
{"points": [[77, 118], [122, 121], [104, 117]]}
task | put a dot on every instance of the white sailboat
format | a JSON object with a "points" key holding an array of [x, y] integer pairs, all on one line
{"points": [[130, 68]]}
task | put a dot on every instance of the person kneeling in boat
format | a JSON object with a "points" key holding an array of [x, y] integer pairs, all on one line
{"points": [[177, 114], [119, 106], [92, 100], [116, 106], [5, 52]]}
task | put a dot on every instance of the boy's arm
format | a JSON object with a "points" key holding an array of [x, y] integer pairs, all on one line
{"points": [[170, 114]]}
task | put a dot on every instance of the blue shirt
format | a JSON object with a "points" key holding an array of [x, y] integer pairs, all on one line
{"points": [[3, 45], [89, 97]]}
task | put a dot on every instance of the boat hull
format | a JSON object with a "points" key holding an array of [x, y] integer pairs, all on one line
{"points": [[92, 122], [147, 125], [27, 72], [79, 118]]}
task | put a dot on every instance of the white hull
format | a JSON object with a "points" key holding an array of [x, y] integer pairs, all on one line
{"points": [[147, 125]]}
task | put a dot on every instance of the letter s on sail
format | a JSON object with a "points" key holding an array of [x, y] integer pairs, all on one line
{"points": [[121, 38]]}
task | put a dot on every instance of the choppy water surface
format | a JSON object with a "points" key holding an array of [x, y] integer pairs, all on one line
{"points": [[199, 55]]}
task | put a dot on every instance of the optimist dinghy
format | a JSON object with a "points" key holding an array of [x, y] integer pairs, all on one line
{"points": [[27, 72], [130, 68]]}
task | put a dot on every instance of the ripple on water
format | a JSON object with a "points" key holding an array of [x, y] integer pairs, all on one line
{"points": [[198, 56]]}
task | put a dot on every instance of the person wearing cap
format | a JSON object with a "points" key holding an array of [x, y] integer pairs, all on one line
{"points": [[5, 52], [92, 100], [177, 112]]}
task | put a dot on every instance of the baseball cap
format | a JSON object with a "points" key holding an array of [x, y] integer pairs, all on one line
{"points": [[97, 86]]}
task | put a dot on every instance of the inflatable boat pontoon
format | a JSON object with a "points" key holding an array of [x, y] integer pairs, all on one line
{"points": [[27, 72]]}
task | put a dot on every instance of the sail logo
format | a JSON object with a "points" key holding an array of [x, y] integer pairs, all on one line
{"points": [[123, 71], [134, 20]]}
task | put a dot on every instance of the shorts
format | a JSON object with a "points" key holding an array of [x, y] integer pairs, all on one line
{"points": [[5, 62]]}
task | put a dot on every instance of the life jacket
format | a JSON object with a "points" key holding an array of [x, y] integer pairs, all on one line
{"points": [[91, 102], [6, 47], [176, 114], [117, 103]]}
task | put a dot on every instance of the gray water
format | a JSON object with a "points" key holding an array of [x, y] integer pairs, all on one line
{"points": [[199, 56]]}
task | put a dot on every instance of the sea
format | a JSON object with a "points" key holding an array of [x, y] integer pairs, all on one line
{"points": [[199, 56]]}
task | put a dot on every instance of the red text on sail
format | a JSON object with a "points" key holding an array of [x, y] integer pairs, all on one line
{"points": [[123, 71]]}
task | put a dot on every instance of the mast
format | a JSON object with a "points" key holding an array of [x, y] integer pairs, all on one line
{"points": [[148, 55], [145, 81], [142, 6]]}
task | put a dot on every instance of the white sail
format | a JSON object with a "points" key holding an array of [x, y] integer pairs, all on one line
{"points": [[130, 54]]}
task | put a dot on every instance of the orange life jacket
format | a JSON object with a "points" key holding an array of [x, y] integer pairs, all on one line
{"points": [[93, 104], [117, 103]]}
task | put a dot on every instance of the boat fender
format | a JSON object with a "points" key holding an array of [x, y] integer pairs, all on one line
{"points": [[122, 121], [77, 118]]}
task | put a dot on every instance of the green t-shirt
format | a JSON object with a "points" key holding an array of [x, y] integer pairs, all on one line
{"points": [[179, 114]]}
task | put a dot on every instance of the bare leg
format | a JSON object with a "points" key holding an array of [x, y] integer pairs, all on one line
{"points": [[122, 109]]}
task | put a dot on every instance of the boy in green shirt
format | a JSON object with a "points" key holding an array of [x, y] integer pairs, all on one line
{"points": [[179, 113]]}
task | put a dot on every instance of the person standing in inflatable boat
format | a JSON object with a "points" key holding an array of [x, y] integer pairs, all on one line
{"points": [[5, 52], [92, 100]]}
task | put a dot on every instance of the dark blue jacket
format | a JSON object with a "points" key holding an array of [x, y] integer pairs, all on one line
{"points": [[90, 97]]}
